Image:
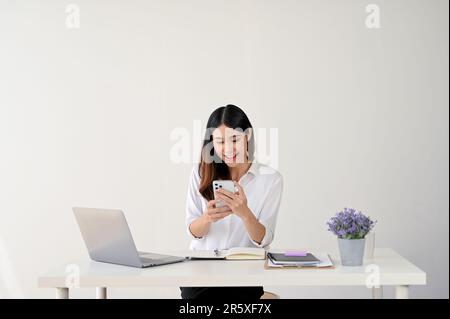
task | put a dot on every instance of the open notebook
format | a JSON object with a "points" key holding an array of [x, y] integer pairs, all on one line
{"points": [[235, 253]]}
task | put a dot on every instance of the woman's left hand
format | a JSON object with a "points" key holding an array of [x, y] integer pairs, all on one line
{"points": [[237, 201]]}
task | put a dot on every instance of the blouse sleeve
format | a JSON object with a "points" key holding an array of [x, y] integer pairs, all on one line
{"points": [[269, 212], [194, 200]]}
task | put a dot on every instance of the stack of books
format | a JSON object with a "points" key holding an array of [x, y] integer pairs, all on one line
{"points": [[298, 259]]}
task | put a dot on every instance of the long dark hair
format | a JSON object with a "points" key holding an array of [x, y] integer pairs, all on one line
{"points": [[211, 167]]}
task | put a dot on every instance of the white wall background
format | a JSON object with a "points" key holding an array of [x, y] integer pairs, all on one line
{"points": [[86, 115]]}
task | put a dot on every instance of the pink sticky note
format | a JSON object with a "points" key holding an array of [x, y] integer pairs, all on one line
{"points": [[295, 253]]}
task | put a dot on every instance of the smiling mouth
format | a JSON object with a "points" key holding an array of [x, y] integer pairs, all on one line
{"points": [[230, 157]]}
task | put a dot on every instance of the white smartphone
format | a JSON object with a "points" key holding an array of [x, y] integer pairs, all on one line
{"points": [[225, 184]]}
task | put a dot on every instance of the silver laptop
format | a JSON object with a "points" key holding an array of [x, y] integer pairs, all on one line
{"points": [[108, 239]]}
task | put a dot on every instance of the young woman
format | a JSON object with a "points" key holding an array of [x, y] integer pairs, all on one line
{"points": [[249, 216]]}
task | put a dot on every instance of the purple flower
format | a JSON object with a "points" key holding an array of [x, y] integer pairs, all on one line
{"points": [[350, 224]]}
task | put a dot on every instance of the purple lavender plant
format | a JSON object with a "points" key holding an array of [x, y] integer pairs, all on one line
{"points": [[350, 224]]}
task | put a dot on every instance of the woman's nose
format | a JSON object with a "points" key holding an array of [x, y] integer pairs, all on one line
{"points": [[229, 148]]}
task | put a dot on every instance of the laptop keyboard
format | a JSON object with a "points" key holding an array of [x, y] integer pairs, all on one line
{"points": [[147, 260], [151, 255], [157, 259]]}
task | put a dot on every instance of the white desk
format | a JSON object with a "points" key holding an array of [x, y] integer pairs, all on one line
{"points": [[393, 270]]}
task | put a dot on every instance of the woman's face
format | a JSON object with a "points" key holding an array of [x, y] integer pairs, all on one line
{"points": [[230, 145]]}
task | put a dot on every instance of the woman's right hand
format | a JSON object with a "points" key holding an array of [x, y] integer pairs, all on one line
{"points": [[214, 214], [200, 227]]}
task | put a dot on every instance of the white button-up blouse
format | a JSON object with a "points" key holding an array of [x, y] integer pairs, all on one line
{"points": [[263, 187]]}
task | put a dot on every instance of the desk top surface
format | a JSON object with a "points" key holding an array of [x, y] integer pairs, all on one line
{"points": [[387, 266]]}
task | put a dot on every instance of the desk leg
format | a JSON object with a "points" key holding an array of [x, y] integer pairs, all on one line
{"points": [[62, 293], [101, 292], [377, 292], [402, 292]]}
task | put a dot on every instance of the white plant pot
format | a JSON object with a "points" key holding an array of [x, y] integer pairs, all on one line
{"points": [[352, 251]]}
